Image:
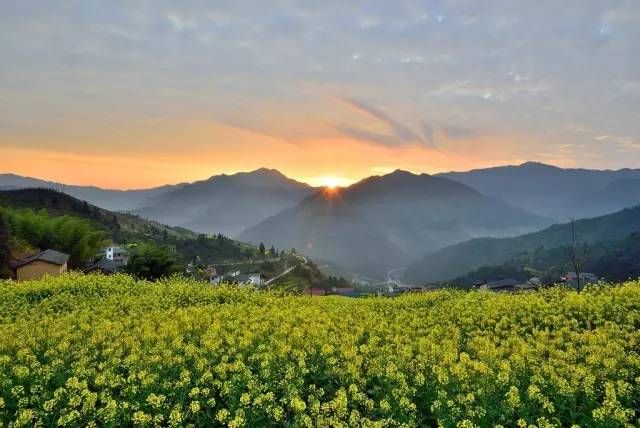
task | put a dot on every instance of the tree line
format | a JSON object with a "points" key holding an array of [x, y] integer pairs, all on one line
{"points": [[78, 237]]}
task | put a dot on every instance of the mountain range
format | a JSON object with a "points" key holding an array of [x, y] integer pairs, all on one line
{"points": [[112, 200], [384, 221], [381, 222], [557, 193], [226, 204]]}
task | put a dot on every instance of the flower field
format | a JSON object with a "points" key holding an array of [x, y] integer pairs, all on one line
{"points": [[112, 351]]}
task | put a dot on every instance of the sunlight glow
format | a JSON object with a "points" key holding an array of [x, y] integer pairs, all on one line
{"points": [[331, 182]]}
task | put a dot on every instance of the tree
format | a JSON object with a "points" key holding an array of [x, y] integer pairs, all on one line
{"points": [[273, 251], [152, 262], [69, 234], [261, 248], [5, 254], [576, 259]]}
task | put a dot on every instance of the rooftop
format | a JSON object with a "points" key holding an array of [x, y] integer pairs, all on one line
{"points": [[104, 265], [49, 256]]}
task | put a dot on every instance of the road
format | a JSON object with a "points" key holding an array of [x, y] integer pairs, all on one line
{"points": [[303, 260]]}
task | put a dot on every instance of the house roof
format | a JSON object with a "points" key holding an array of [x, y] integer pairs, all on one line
{"points": [[49, 256], [104, 265], [502, 283], [245, 277]]}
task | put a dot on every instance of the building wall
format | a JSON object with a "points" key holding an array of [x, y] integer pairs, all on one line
{"points": [[38, 269]]}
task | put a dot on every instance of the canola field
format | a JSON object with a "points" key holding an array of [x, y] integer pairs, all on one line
{"points": [[113, 351]]}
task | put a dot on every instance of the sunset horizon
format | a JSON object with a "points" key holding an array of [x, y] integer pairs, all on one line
{"points": [[92, 91], [323, 180]]}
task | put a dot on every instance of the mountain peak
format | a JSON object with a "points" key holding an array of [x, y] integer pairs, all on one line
{"points": [[538, 165], [401, 173], [266, 171]]}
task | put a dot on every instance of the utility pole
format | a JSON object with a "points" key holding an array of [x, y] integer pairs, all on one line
{"points": [[575, 261]]}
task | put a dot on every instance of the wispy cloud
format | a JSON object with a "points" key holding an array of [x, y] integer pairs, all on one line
{"points": [[457, 132], [462, 71], [399, 133]]}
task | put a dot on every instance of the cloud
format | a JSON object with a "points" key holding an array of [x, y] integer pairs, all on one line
{"points": [[399, 133], [508, 67], [371, 137], [457, 132], [429, 133]]}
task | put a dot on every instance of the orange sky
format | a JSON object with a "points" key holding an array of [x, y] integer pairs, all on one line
{"points": [[139, 94], [184, 152]]}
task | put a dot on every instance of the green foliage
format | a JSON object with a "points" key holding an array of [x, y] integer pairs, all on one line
{"points": [[149, 261], [5, 253], [75, 236], [613, 260], [112, 351], [131, 229], [461, 258]]}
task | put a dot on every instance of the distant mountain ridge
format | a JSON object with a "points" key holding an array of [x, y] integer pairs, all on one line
{"points": [[384, 221], [112, 200], [455, 260], [550, 191], [227, 204], [223, 203]]}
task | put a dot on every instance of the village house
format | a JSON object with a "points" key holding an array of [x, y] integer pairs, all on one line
{"points": [[253, 278], [48, 262], [104, 266], [507, 284], [118, 255]]}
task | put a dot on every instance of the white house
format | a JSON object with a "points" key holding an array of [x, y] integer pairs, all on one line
{"points": [[118, 255], [253, 278]]}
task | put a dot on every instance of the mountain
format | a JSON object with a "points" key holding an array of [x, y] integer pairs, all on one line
{"points": [[554, 192], [464, 257], [384, 221], [113, 200], [227, 204], [224, 204]]}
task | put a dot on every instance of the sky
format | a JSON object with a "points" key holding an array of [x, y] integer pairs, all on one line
{"points": [[142, 93]]}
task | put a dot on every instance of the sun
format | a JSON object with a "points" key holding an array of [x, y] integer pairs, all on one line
{"points": [[331, 182]]}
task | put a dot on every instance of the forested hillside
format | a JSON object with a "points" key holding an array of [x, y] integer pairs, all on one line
{"points": [[611, 260], [43, 218], [75, 236], [459, 259]]}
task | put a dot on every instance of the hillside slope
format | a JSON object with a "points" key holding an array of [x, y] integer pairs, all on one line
{"points": [[385, 221], [461, 258], [617, 260], [127, 228]]}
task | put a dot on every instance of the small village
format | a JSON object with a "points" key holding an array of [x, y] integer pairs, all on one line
{"points": [[114, 259]]}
